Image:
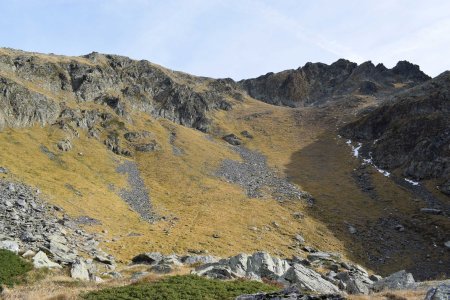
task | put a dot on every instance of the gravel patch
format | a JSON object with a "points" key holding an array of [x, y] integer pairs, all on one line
{"points": [[136, 195], [254, 176]]}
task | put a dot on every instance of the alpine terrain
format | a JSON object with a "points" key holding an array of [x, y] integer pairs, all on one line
{"points": [[322, 182]]}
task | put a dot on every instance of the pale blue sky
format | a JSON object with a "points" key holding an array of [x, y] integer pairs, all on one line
{"points": [[238, 39]]}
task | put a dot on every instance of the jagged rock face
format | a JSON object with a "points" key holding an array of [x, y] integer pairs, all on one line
{"points": [[118, 82], [21, 107], [411, 132], [314, 82]]}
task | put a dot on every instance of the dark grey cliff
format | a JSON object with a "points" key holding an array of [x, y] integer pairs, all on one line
{"points": [[411, 132], [315, 82], [32, 86]]}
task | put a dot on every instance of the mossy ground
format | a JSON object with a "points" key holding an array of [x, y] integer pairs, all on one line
{"points": [[13, 268], [187, 287]]}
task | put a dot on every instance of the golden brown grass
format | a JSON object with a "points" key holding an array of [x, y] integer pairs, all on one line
{"points": [[392, 295]]}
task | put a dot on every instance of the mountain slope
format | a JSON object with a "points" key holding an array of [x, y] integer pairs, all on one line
{"points": [[410, 132], [140, 149]]}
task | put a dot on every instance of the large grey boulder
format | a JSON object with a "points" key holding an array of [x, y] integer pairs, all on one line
{"points": [[232, 139], [60, 249], [79, 270], [309, 280], [355, 282], [441, 292], [256, 266], [149, 258], [265, 266], [12, 246], [40, 260], [396, 281]]}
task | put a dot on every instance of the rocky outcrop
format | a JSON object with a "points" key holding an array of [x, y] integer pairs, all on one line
{"points": [[441, 292], [118, 83], [410, 132], [314, 82], [397, 281], [31, 227]]}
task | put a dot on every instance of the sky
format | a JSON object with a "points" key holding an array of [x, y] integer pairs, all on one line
{"points": [[237, 39]]}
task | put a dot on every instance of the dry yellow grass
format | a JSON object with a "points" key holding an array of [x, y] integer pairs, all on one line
{"points": [[392, 295]]}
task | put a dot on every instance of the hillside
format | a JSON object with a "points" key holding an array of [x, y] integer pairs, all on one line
{"points": [[139, 151]]}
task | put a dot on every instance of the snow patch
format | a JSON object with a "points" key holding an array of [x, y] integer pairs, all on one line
{"points": [[411, 181], [385, 173], [356, 150]]}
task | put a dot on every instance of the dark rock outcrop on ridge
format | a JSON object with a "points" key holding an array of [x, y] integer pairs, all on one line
{"points": [[29, 83], [314, 82]]}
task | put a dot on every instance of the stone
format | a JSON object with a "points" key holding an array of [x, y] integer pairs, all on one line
{"points": [[232, 139], [64, 145], [196, 259], [148, 147], [163, 268], [12, 246], [447, 244], [441, 292], [3, 170], [396, 281], [29, 254], [246, 134], [299, 238], [102, 257], [79, 270], [399, 227], [431, 211], [149, 258], [40, 260], [309, 280], [375, 278], [352, 229], [319, 256], [355, 282]]}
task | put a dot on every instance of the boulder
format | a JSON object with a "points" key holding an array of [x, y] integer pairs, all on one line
{"points": [[60, 251], [199, 259], [232, 139], [29, 254], [105, 258], [309, 280], [246, 134], [64, 145], [79, 270], [215, 271], [12, 246], [40, 260], [355, 282], [396, 281], [319, 256], [148, 147], [266, 266], [149, 258], [441, 292]]}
